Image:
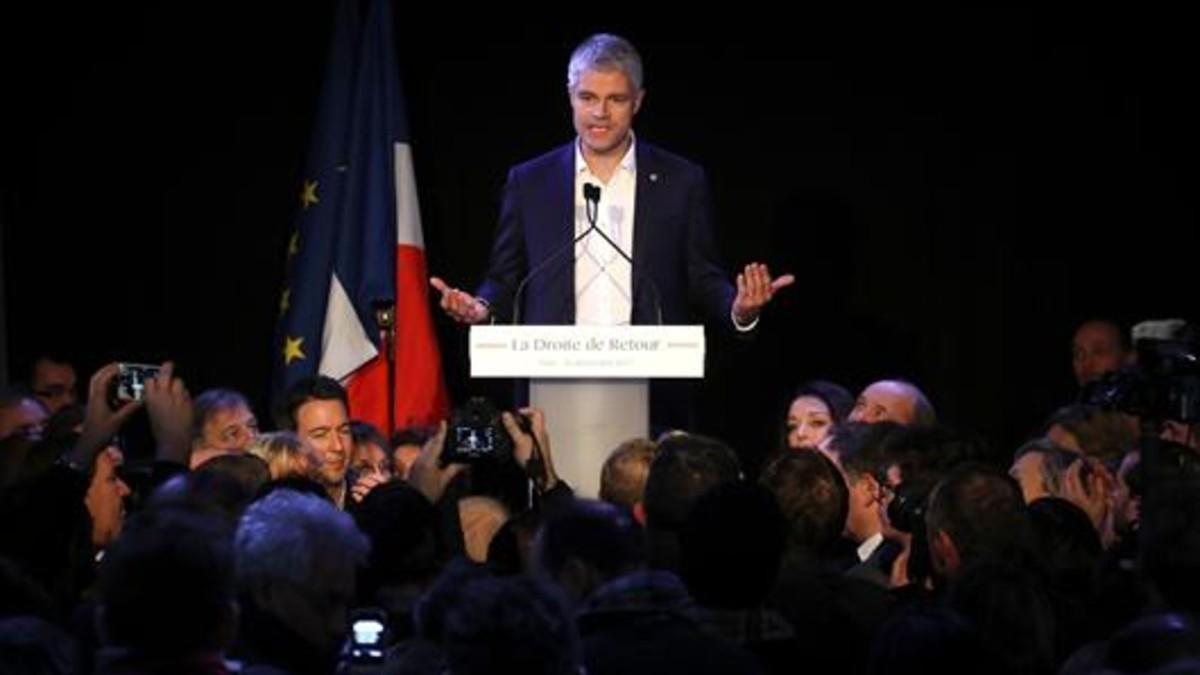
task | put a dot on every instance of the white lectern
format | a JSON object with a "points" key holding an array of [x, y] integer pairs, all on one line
{"points": [[592, 382]]}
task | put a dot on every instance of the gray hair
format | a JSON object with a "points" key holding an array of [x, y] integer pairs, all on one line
{"points": [[289, 536], [604, 51], [212, 401], [1055, 462]]}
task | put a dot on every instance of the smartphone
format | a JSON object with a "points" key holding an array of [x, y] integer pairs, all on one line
{"points": [[131, 380], [368, 638], [130, 383]]}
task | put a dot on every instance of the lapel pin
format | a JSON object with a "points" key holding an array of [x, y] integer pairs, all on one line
{"points": [[653, 178]]}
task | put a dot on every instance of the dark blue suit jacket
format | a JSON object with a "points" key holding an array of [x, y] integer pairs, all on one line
{"points": [[674, 243]]}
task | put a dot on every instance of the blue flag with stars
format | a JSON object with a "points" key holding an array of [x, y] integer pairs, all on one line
{"points": [[357, 204]]}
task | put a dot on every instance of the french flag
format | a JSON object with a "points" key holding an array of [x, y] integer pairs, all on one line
{"points": [[358, 248]]}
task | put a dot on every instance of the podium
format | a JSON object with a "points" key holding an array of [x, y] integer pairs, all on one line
{"points": [[591, 381]]}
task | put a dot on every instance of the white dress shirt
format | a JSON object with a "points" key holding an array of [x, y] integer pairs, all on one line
{"points": [[603, 278]]}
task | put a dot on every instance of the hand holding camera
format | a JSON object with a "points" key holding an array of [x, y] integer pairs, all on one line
{"points": [[430, 472], [531, 445], [1087, 484], [170, 408], [477, 434], [103, 418]]}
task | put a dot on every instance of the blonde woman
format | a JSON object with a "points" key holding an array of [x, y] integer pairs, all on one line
{"points": [[286, 455]]}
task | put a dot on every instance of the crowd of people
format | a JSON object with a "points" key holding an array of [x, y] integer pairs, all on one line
{"points": [[877, 539]]}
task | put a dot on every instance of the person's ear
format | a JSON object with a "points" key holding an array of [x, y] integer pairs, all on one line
{"points": [[639, 513], [944, 554]]}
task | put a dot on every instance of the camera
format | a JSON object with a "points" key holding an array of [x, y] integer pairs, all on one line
{"points": [[906, 510], [476, 433], [1165, 383], [130, 383]]}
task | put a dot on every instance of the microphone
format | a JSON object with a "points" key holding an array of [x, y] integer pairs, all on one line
{"points": [[591, 200], [591, 192]]}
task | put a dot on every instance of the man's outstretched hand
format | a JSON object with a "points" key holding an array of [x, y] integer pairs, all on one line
{"points": [[460, 305], [755, 288]]}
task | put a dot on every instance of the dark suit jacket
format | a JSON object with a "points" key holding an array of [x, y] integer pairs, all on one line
{"points": [[674, 244]]}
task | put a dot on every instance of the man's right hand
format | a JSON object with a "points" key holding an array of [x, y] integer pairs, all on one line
{"points": [[100, 421], [460, 305], [428, 475], [169, 406], [523, 442]]}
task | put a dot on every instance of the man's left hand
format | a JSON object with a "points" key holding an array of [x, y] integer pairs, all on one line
{"points": [[755, 288]]}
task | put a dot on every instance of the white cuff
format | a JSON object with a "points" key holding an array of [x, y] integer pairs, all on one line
{"points": [[746, 328]]}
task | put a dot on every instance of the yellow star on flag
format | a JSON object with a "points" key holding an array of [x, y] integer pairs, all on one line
{"points": [[294, 244], [308, 194], [283, 301], [291, 350]]}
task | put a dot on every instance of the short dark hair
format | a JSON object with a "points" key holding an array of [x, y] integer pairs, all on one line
{"points": [[858, 445], [1100, 433], [983, 512], [212, 492], [211, 401], [365, 432], [167, 584], [57, 357], [686, 466], [317, 388], [601, 534], [401, 525], [923, 454], [413, 435], [225, 484], [513, 624], [1066, 541], [813, 498]]}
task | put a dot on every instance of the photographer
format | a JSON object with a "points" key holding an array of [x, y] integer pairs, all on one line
{"points": [[69, 507], [1043, 469], [905, 466], [510, 454], [981, 548], [867, 553]]}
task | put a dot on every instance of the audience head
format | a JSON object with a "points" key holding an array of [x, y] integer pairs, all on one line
{"points": [[893, 401]]}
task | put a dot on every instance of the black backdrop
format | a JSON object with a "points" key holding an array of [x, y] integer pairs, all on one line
{"points": [[955, 192]]}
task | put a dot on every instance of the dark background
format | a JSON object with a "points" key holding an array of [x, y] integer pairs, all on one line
{"points": [[954, 191]]}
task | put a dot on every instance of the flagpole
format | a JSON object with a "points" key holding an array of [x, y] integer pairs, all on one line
{"points": [[385, 317]]}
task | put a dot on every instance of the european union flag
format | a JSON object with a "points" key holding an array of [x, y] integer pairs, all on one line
{"points": [[358, 238]]}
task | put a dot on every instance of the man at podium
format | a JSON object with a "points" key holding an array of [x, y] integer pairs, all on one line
{"points": [[608, 229]]}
